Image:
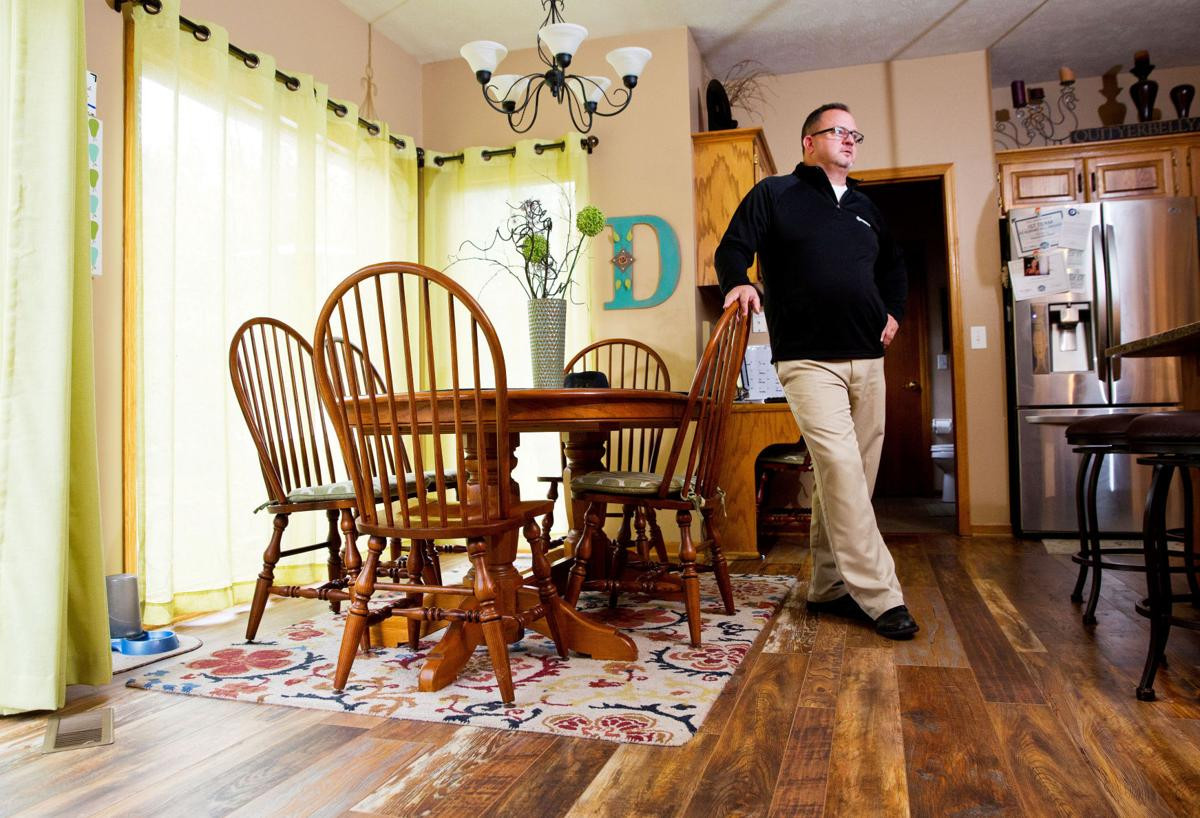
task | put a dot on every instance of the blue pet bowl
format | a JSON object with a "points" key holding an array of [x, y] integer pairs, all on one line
{"points": [[147, 643]]}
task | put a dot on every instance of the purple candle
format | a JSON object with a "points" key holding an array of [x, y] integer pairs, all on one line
{"points": [[1018, 93]]}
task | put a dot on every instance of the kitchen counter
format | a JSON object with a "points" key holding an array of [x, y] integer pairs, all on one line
{"points": [[1183, 340]]}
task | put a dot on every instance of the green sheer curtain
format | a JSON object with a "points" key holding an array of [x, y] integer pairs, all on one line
{"points": [[250, 199], [53, 616], [466, 201]]}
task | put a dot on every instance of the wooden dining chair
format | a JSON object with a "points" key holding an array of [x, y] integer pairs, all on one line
{"points": [[689, 482], [270, 365], [394, 568], [443, 397], [627, 364]]}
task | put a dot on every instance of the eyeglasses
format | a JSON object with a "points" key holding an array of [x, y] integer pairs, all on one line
{"points": [[840, 133]]}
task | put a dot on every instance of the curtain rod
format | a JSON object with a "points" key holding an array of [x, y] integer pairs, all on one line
{"points": [[251, 60], [587, 143]]}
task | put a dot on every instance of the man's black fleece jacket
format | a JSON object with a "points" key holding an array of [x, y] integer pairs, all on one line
{"points": [[831, 272]]}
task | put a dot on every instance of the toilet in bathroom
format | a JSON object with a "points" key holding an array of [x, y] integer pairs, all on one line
{"points": [[943, 458]]}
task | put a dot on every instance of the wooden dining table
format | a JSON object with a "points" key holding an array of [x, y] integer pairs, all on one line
{"points": [[585, 417]]}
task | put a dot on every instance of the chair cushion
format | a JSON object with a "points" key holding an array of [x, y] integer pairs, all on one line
{"points": [[796, 458], [344, 489], [1165, 429], [1102, 430], [635, 483]]}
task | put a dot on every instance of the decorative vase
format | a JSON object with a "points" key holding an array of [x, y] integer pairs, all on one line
{"points": [[1143, 94], [1144, 90], [1181, 98], [547, 333]]}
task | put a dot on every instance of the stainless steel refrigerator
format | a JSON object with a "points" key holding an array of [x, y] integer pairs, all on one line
{"points": [[1133, 271]]}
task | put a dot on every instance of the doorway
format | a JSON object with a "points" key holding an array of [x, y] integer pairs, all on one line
{"points": [[921, 476]]}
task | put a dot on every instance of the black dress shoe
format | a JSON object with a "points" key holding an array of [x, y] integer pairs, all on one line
{"points": [[843, 606], [896, 623]]}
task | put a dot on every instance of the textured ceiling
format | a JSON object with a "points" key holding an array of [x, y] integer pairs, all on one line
{"points": [[1028, 39]]}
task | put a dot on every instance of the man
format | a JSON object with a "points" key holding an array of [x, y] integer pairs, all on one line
{"points": [[834, 288]]}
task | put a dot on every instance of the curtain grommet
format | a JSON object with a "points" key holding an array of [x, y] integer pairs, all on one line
{"points": [[202, 33], [251, 60]]}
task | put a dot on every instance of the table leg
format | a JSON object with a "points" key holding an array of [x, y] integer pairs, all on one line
{"points": [[581, 633], [585, 453]]}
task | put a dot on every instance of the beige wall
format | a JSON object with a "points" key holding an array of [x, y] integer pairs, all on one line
{"points": [[1087, 92], [918, 112], [287, 29], [643, 165]]}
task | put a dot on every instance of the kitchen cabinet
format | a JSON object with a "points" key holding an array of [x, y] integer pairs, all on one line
{"points": [[1130, 175], [1052, 181], [726, 164], [1099, 171]]}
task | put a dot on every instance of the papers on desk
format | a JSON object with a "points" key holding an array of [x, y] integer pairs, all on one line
{"points": [[758, 374]]}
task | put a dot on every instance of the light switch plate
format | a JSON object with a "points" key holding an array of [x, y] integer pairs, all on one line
{"points": [[943, 361], [978, 337], [758, 321]]}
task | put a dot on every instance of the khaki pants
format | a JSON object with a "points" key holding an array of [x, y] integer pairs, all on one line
{"points": [[839, 407]]}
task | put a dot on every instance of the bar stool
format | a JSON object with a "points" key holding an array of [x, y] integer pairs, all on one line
{"points": [[1169, 441], [1094, 438]]}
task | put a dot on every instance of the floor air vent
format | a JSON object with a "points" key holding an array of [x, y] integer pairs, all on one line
{"points": [[91, 729]]}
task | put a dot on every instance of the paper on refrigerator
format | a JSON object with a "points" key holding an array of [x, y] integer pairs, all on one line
{"points": [[1067, 227], [1039, 274]]}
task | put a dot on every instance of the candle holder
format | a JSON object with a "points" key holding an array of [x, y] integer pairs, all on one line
{"points": [[1036, 120]]}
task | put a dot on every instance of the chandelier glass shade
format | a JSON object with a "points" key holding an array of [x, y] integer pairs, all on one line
{"points": [[586, 97]]}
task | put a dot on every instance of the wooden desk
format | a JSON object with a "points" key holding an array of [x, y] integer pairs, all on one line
{"points": [[750, 429]]}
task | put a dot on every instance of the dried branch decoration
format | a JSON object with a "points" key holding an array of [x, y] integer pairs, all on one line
{"points": [[745, 87]]}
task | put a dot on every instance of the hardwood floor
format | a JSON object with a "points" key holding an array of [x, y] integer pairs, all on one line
{"points": [[1004, 704]]}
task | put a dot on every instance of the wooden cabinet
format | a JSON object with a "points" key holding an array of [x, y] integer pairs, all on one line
{"points": [[1193, 168], [1129, 175], [1098, 171], [1037, 183], [726, 164]]}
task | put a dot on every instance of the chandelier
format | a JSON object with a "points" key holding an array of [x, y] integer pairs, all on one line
{"points": [[518, 97]]}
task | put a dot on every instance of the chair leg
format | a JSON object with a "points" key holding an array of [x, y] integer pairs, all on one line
{"points": [[352, 559], [336, 569], [1082, 520], [1093, 517], [656, 537], [1158, 577], [433, 564], [640, 539], [416, 567], [489, 620], [1189, 545], [720, 566], [356, 621], [592, 521], [266, 577], [547, 593], [691, 579], [548, 520]]}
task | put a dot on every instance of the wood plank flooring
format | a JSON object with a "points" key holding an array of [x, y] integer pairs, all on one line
{"points": [[1004, 704]]}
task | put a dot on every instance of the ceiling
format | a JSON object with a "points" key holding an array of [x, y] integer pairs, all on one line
{"points": [[1028, 39]]}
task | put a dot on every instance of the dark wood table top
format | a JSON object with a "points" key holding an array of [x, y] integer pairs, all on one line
{"points": [[544, 410], [1178, 341]]}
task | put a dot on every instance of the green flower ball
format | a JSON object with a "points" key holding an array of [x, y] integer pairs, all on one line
{"points": [[535, 248], [590, 221]]}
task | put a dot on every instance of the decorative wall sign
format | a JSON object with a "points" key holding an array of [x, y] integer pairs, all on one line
{"points": [[623, 258]]}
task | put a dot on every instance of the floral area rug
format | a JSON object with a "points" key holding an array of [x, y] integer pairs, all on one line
{"points": [[660, 698]]}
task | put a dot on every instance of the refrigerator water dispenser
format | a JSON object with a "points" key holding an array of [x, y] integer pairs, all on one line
{"points": [[1070, 337]]}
